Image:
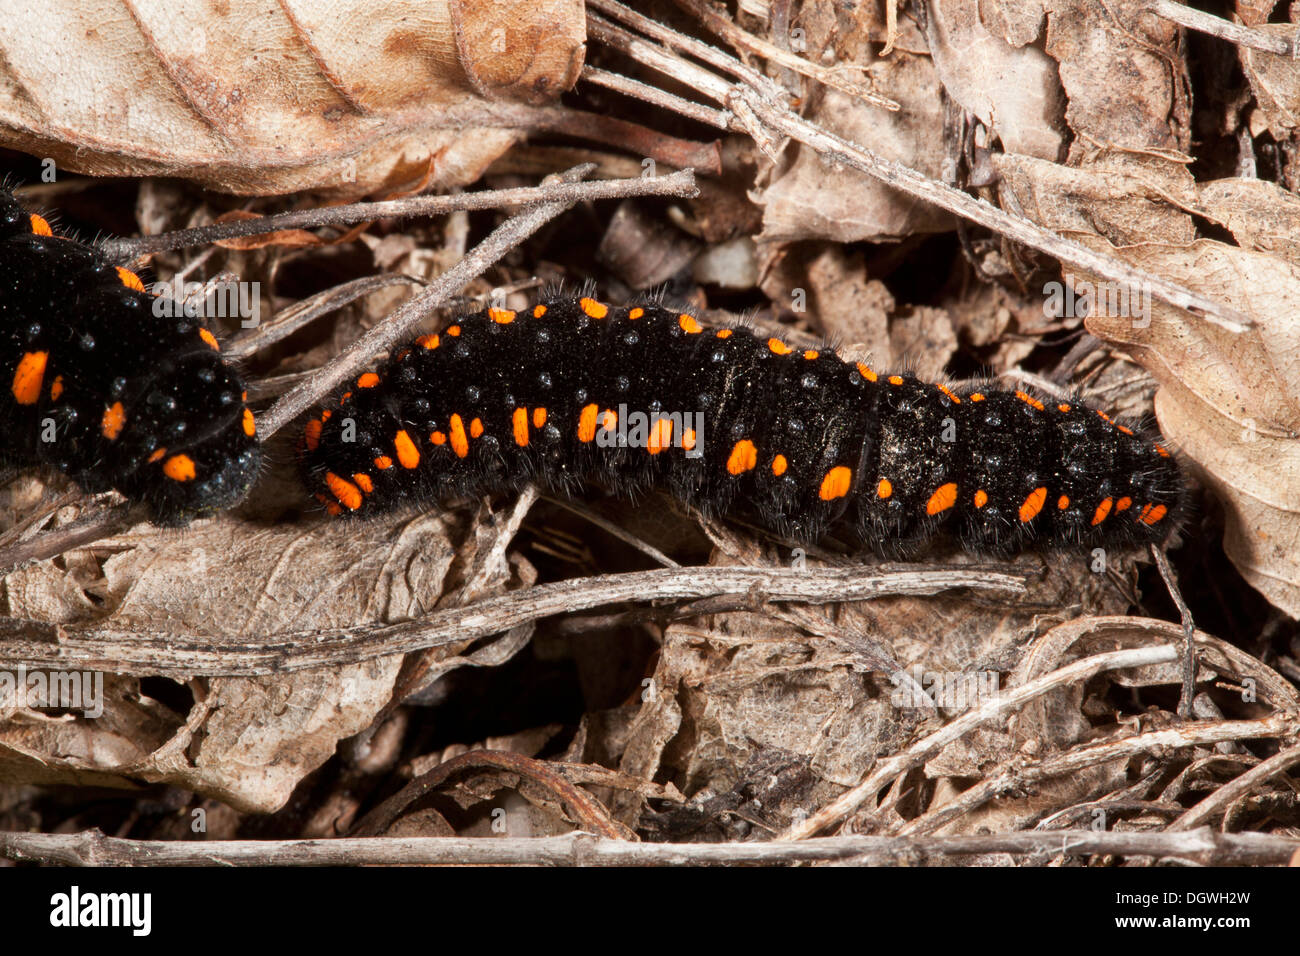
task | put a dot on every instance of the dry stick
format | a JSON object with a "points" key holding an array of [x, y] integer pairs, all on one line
{"points": [[653, 95], [143, 652], [87, 529], [567, 192], [400, 323], [308, 310], [1215, 26], [886, 770], [758, 99], [1189, 632], [1218, 801], [92, 848], [1016, 775]]}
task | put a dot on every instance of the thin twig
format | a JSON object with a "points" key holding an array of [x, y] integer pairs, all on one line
{"points": [[400, 323], [652, 94], [1189, 631], [567, 192], [141, 651], [1019, 774], [1235, 789], [1216, 26], [93, 848], [995, 708], [757, 102]]}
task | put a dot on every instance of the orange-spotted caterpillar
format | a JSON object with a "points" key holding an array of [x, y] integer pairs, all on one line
{"points": [[99, 385], [800, 438]]}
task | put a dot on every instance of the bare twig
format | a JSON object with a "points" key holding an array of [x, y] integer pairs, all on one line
{"points": [[143, 652], [1220, 799], [1189, 631], [1019, 774], [400, 324], [761, 111], [1207, 23], [567, 192], [92, 848], [652, 94], [994, 709]]}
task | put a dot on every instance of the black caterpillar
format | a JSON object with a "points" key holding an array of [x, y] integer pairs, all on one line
{"points": [[720, 417], [113, 394]]}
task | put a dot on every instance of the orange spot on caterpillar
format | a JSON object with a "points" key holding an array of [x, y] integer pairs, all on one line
{"points": [[1155, 514], [114, 420], [661, 436], [779, 347], [408, 456], [539, 417], [1029, 400], [519, 425], [981, 498], [885, 488], [724, 333], [944, 497], [331, 507], [947, 391], [383, 463], [56, 388], [1103, 509], [743, 457], [456, 434], [346, 396], [539, 311], [209, 340], [1062, 502], [587, 423], [39, 226], [250, 425], [866, 373], [348, 494], [836, 483], [325, 415], [28, 377], [311, 434], [1126, 431], [438, 438], [1062, 407], [1104, 417], [158, 455], [688, 439], [779, 465], [636, 313], [501, 316], [428, 342], [129, 279], [476, 428], [1123, 504], [597, 310], [363, 482], [609, 421], [1033, 504], [811, 354], [977, 396], [689, 325], [895, 380], [453, 330], [179, 468], [369, 380], [1161, 451]]}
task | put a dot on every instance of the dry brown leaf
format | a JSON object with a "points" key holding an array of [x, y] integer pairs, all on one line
{"points": [[253, 96], [1230, 402], [247, 741], [1011, 87], [1261, 215], [1275, 81]]}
